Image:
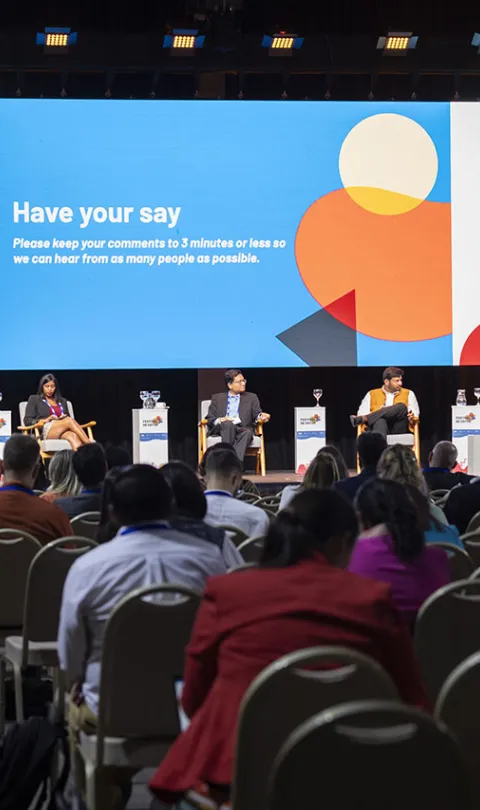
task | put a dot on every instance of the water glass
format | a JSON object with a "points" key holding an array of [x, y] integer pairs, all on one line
{"points": [[317, 393], [461, 397]]}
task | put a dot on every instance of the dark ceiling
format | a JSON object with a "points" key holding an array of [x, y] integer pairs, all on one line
{"points": [[120, 50]]}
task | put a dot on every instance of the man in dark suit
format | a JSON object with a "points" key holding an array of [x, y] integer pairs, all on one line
{"points": [[91, 468], [232, 415], [370, 447]]}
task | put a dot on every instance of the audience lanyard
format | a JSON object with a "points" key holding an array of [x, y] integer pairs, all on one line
{"points": [[220, 492], [17, 488], [52, 409], [145, 527]]}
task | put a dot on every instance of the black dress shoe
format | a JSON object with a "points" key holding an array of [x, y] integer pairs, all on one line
{"points": [[357, 420]]}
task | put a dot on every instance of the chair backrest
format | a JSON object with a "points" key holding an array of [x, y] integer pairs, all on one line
{"points": [[284, 695], [438, 494], [236, 535], [458, 707], [17, 550], [86, 524], [46, 577], [471, 541], [22, 407], [447, 630], [460, 563], [251, 549], [370, 755], [143, 657], [204, 406], [474, 523]]}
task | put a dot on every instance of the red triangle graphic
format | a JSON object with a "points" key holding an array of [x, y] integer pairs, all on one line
{"points": [[344, 309]]}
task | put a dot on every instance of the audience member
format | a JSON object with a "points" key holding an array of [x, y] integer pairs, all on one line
{"points": [[223, 478], [442, 460], [90, 467], [392, 548], [370, 447], [301, 596], [245, 486], [62, 476], [20, 508], [146, 551], [108, 526], [341, 463], [462, 504], [117, 456], [322, 473], [190, 508], [398, 463]]}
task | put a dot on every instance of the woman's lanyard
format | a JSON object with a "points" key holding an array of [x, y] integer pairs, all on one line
{"points": [[52, 409]]}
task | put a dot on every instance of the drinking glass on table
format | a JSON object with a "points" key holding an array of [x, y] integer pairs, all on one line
{"points": [[156, 396], [144, 395], [476, 392], [317, 393]]}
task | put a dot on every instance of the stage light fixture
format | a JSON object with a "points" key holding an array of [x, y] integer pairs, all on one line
{"points": [[282, 44], [476, 41], [56, 40], [397, 43], [183, 40]]}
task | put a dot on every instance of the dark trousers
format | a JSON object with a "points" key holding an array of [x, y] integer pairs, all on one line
{"points": [[390, 420], [238, 437]]}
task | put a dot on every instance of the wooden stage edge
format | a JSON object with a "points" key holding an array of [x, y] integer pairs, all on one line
{"points": [[277, 479]]}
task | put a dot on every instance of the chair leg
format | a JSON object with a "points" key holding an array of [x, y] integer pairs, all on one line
{"points": [[17, 680], [91, 785], [3, 667], [263, 463]]}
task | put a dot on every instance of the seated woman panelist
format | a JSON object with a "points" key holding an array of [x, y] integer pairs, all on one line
{"points": [[48, 410]]}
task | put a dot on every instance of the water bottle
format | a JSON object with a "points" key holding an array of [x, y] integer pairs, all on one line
{"points": [[461, 397]]}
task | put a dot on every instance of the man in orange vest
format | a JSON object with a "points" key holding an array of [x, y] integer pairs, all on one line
{"points": [[390, 409]]}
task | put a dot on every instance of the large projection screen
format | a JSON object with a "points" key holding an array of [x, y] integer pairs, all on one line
{"points": [[185, 234]]}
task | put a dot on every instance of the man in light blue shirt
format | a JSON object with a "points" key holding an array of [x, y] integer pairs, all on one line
{"points": [[146, 551]]}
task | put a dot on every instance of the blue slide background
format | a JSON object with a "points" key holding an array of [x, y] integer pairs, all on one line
{"points": [[238, 170]]}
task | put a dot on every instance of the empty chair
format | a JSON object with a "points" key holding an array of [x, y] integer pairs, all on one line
{"points": [[86, 524], [142, 660], [285, 694], [37, 646], [370, 755], [458, 707], [460, 563], [17, 550], [447, 630], [251, 549]]}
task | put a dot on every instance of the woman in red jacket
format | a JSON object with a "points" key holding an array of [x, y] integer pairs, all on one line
{"points": [[301, 596]]}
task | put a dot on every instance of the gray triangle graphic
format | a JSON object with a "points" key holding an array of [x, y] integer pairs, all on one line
{"points": [[321, 340]]}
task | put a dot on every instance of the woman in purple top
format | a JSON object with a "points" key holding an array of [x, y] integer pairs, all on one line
{"points": [[392, 548]]}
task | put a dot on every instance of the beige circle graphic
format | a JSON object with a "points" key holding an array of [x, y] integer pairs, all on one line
{"points": [[388, 164]]}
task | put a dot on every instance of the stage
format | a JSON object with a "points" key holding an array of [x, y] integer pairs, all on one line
{"points": [[274, 482]]}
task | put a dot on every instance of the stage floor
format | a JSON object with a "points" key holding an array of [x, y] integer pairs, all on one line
{"points": [[282, 477]]}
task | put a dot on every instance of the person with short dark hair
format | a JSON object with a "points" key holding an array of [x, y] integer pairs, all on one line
{"points": [[190, 509], [232, 415], [441, 462], [370, 447], [145, 551], [391, 409], [90, 467], [224, 476], [49, 410], [20, 508], [392, 547], [300, 596], [117, 456]]}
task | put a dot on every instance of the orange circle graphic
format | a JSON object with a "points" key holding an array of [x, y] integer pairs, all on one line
{"points": [[398, 266]]}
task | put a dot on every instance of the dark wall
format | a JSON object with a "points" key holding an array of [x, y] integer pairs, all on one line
{"points": [[109, 396]]}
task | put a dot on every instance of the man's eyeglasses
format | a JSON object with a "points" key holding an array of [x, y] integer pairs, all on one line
{"points": [[240, 382]]}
